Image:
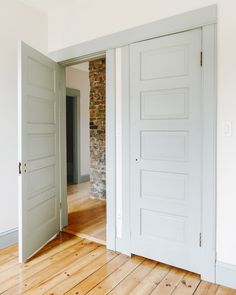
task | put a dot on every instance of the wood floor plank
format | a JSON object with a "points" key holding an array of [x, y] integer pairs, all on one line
{"points": [[82, 274], [60, 239], [9, 250], [53, 272], [188, 284], [4, 258], [11, 262], [62, 277], [149, 283], [133, 279], [44, 258], [87, 216], [225, 291], [26, 280], [73, 266], [7, 255], [116, 277], [86, 236], [90, 282], [206, 288], [170, 282]]}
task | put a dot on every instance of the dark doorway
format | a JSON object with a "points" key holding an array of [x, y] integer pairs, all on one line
{"points": [[71, 140]]}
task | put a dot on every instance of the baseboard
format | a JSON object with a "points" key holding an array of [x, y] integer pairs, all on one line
{"points": [[84, 178], [8, 238], [226, 274]]}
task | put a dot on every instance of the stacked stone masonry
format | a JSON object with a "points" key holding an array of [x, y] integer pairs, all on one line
{"points": [[97, 106]]}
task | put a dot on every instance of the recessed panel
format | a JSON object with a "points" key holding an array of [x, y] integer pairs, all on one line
{"points": [[164, 62], [40, 110], [41, 145], [41, 180], [41, 75], [164, 104], [163, 185], [162, 226], [164, 145], [41, 214]]}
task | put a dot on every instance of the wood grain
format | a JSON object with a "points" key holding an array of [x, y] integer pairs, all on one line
{"points": [[73, 266], [86, 216]]}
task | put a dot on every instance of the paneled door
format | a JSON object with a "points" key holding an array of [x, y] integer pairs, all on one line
{"points": [[166, 149], [39, 193]]}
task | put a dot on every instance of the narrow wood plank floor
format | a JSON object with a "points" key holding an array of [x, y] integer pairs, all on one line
{"points": [[75, 266], [87, 216]]}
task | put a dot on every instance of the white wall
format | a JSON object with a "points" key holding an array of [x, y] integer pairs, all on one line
{"points": [[79, 79], [84, 20], [17, 22]]}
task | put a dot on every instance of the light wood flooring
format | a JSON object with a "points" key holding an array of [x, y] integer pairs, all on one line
{"points": [[87, 216], [71, 265]]}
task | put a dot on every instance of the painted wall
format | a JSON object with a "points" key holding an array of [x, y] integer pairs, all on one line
{"points": [[79, 79], [77, 22], [17, 22]]}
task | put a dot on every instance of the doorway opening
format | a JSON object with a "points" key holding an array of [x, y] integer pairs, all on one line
{"points": [[72, 131], [86, 154]]}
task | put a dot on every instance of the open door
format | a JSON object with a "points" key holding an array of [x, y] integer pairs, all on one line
{"points": [[39, 180]]}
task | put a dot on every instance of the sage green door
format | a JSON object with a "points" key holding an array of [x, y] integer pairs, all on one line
{"points": [[39, 192]]}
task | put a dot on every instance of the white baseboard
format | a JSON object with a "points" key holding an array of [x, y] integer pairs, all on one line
{"points": [[8, 238], [226, 274]]}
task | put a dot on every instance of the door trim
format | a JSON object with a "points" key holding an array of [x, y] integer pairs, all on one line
{"points": [[205, 18], [75, 94], [110, 154], [170, 25], [111, 149], [63, 160], [209, 201]]}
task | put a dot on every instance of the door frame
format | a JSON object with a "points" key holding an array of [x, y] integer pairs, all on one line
{"points": [[75, 94], [205, 18]]}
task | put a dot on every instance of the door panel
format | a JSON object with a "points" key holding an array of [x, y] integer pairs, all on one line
{"points": [[39, 97], [166, 147], [164, 104], [167, 185]]}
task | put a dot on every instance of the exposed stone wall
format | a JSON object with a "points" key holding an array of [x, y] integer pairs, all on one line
{"points": [[97, 77]]}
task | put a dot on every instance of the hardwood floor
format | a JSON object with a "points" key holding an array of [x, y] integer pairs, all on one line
{"points": [[72, 265], [87, 216]]}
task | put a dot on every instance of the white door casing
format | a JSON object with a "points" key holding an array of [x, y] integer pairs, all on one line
{"points": [[166, 149], [39, 181]]}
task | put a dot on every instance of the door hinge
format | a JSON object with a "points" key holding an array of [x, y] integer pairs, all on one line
{"points": [[60, 205], [19, 168], [201, 59], [200, 240]]}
